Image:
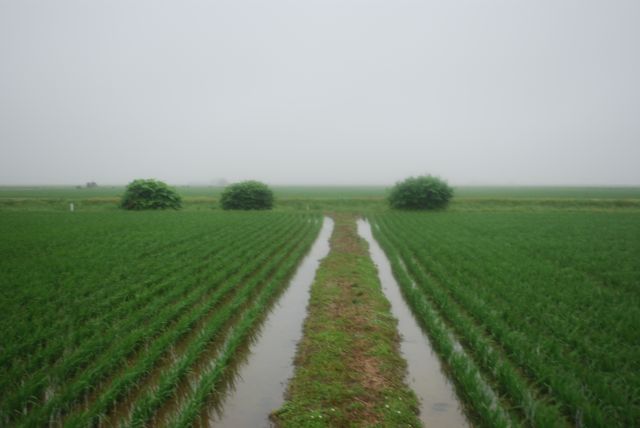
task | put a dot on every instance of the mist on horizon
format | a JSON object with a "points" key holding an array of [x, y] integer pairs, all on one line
{"points": [[320, 92]]}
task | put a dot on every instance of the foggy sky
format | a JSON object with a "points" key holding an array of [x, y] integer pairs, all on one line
{"points": [[320, 91]]}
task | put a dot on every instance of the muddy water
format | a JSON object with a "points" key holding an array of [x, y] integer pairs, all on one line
{"points": [[261, 382], [439, 406]]}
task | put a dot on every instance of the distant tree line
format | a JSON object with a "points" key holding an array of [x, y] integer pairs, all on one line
{"points": [[144, 194], [88, 185], [425, 192], [420, 193]]}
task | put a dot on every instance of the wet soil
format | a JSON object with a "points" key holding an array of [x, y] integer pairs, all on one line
{"points": [[439, 406]]}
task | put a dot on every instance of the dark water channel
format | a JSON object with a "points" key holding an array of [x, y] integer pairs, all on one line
{"points": [[261, 382], [439, 406]]}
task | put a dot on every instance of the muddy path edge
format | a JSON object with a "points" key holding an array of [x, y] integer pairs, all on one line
{"points": [[349, 371], [439, 404], [260, 381]]}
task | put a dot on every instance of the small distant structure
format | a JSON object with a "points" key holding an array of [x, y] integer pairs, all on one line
{"points": [[91, 185]]}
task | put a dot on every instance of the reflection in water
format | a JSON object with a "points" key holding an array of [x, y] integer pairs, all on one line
{"points": [[439, 406], [260, 384]]}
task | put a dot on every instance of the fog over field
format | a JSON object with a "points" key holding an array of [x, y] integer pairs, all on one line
{"points": [[320, 91]]}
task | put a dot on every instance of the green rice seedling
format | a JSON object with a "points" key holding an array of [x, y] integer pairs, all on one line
{"points": [[136, 334], [539, 300], [211, 380], [169, 379], [222, 274], [110, 294], [486, 410], [505, 379]]}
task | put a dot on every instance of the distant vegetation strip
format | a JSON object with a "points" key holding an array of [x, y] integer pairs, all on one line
{"points": [[338, 198], [348, 368], [544, 305], [92, 304], [336, 192]]}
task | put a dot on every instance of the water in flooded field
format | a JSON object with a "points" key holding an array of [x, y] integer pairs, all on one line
{"points": [[261, 381], [439, 406]]}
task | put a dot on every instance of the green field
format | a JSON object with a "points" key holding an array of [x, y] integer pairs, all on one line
{"points": [[333, 192], [110, 315], [340, 198], [545, 307], [530, 295]]}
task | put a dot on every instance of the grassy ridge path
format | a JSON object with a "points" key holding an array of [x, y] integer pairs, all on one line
{"points": [[349, 371]]}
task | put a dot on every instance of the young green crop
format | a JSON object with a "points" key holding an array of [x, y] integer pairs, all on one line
{"points": [[91, 302], [169, 380], [72, 361], [537, 300], [143, 305], [495, 366]]}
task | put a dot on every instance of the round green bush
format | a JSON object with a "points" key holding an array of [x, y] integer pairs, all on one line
{"points": [[247, 195], [420, 193], [150, 195]]}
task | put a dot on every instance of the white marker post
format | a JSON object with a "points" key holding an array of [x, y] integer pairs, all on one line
{"points": [[71, 207]]}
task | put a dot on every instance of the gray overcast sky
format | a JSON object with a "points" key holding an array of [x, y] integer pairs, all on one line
{"points": [[320, 91]]}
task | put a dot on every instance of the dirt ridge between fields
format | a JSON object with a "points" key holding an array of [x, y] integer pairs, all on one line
{"points": [[349, 371]]}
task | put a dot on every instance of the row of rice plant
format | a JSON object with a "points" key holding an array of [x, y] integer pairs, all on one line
{"points": [[165, 387], [148, 303], [550, 333], [223, 281], [76, 360], [113, 295]]}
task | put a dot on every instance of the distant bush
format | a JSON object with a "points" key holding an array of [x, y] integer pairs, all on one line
{"points": [[150, 195], [420, 193], [247, 195]]}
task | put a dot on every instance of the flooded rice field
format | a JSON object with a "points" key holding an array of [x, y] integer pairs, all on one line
{"points": [[260, 383], [439, 406]]}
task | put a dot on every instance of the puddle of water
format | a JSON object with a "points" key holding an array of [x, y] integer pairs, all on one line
{"points": [[261, 382], [439, 406]]}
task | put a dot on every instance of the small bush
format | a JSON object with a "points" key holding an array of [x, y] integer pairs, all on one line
{"points": [[150, 195], [247, 195], [420, 193]]}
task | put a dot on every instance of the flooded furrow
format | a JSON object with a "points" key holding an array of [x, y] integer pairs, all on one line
{"points": [[261, 381], [439, 405]]}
